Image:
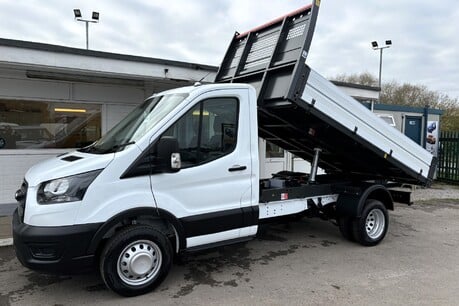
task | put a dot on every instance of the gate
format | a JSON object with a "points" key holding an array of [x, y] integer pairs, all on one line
{"points": [[448, 163]]}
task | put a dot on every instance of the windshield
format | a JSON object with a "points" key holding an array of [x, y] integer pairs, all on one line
{"points": [[134, 126]]}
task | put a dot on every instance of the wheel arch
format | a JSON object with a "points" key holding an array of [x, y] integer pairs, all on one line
{"points": [[351, 202], [380, 193], [141, 215]]}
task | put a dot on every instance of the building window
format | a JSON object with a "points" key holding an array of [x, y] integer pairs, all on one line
{"points": [[37, 125], [273, 150], [389, 119]]}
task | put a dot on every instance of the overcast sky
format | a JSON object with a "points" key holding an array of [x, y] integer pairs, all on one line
{"points": [[424, 33]]}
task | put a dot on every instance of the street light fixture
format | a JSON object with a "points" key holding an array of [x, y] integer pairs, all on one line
{"points": [[79, 17], [95, 16], [374, 45], [77, 13]]}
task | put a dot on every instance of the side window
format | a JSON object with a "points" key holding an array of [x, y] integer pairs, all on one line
{"points": [[207, 131]]}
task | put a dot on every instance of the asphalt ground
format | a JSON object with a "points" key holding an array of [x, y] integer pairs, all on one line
{"points": [[305, 262]]}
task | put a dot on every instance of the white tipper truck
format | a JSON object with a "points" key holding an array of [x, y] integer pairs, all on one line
{"points": [[181, 172]]}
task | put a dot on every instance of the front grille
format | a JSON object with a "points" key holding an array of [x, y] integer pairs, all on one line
{"points": [[22, 201]]}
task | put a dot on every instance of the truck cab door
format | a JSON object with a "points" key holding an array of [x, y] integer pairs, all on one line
{"points": [[211, 194]]}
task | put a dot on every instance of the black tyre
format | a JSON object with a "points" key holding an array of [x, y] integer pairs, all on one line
{"points": [[136, 260], [371, 227], [345, 228]]}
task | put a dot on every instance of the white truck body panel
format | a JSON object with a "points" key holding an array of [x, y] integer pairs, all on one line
{"points": [[291, 207], [221, 236], [351, 114], [216, 186]]}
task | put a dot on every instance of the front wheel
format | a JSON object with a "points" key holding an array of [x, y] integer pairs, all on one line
{"points": [[371, 227], [136, 260]]}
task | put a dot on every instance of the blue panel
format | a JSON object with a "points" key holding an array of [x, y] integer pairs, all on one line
{"points": [[413, 128]]}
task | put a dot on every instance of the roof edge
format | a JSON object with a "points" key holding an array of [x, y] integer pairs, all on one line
{"points": [[404, 108], [101, 54], [358, 86]]}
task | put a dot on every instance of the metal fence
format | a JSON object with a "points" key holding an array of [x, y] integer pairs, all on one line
{"points": [[448, 163]]}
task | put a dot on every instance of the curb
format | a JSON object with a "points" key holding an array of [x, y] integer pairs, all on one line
{"points": [[6, 242]]}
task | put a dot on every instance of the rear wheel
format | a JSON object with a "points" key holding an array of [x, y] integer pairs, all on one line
{"points": [[371, 228], [136, 260]]}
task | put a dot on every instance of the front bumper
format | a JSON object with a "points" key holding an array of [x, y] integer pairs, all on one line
{"points": [[58, 249]]}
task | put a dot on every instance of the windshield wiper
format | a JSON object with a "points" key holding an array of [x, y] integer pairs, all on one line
{"points": [[94, 149], [121, 145], [89, 149]]}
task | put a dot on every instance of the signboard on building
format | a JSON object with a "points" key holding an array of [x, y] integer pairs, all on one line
{"points": [[432, 137]]}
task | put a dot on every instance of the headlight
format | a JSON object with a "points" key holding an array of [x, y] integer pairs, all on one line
{"points": [[66, 189]]}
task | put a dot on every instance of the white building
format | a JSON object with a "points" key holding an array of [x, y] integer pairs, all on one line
{"points": [[55, 98]]}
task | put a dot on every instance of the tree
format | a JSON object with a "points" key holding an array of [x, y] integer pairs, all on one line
{"points": [[411, 95], [364, 78]]}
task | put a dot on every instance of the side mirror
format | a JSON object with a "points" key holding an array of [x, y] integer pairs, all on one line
{"points": [[168, 154]]}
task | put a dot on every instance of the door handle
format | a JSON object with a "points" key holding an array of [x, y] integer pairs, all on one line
{"points": [[237, 168]]}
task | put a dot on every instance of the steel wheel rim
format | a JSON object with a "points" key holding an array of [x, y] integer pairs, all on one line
{"points": [[139, 262], [375, 223]]}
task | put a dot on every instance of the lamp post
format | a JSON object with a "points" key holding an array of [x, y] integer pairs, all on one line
{"points": [[79, 17], [374, 45]]}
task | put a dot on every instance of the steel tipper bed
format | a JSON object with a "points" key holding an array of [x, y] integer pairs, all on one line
{"points": [[300, 110]]}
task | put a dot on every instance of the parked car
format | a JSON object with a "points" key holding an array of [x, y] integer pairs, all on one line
{"points": [[32, 136]]}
